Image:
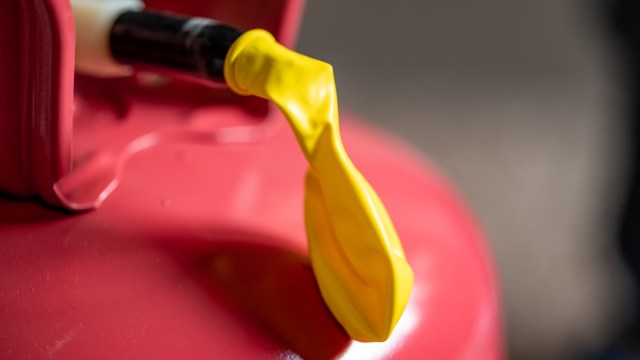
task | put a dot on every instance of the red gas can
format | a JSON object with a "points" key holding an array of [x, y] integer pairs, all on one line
{"points": [[156, 219]]}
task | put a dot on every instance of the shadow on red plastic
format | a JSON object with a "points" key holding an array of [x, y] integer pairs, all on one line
{"points": [[277, 289]]}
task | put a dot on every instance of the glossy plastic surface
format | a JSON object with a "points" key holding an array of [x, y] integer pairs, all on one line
{"points": [[42, 152], [201, 253], [354, 249]]}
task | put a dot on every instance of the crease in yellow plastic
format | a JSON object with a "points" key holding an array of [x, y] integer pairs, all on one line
{"points": [[356, 255]]}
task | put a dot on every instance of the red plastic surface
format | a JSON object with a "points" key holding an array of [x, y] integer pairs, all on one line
{"points": [[201, 253], [41, 142], [36, 93]]}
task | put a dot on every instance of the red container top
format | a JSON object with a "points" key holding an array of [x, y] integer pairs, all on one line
{"points": [[42, 152]]}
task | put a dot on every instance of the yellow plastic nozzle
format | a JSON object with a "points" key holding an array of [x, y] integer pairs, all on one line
{"points": [[355, 252]]}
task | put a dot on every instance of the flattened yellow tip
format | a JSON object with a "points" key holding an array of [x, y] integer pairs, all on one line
{"points": [[355, 252]]}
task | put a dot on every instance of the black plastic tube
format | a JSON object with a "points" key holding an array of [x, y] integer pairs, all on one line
{"points": [[191, 46]]}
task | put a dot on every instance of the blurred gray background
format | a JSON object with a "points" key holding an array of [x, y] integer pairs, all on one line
{"points": [[518, 102]]}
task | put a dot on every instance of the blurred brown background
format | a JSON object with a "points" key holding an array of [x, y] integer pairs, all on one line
{"points": [[517, 101]]}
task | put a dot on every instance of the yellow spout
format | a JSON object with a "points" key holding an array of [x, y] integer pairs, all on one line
{"points": [[356, 255]]}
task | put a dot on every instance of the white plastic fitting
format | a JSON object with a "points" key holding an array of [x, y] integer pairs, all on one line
{"points": [[94, 20]]}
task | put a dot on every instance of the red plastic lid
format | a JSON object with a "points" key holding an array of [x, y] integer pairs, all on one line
{"points": [[41, 149]]}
